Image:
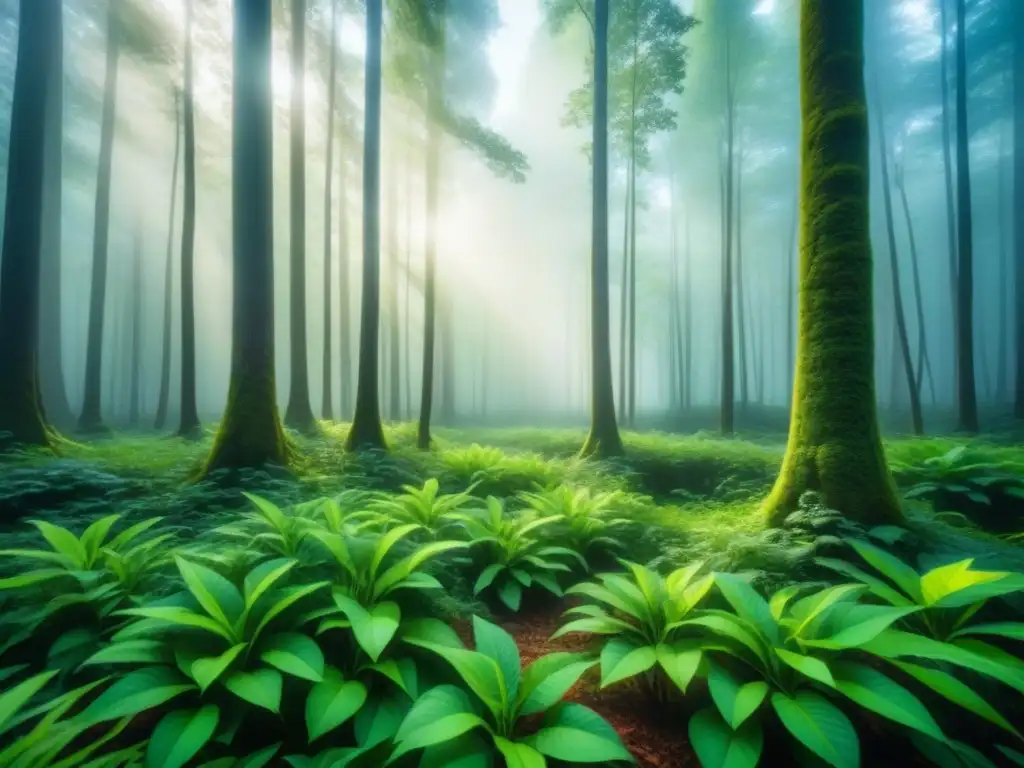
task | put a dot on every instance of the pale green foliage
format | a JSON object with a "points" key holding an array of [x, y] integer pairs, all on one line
{"points": [[424, 507], [587, 520]]}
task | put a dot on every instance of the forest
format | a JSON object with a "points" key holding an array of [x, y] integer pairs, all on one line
{"points": [[523, 383]]}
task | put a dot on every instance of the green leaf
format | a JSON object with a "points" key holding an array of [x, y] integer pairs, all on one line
{"points": [[291, 597], [33, 577], [905, 577], [734, 700], [808, 666], [731, 627], [592, 625], [402, 672], [386, 542], [15, 698], [470, 750], [379, 719], [1013, 630], [511, 594], [374, 628], [859, 625], [518, 755], [407, 565], [621, 659], [481, 673], [875, 586], [779, 600], [1012, 755], [809, 608], [63, 541], [820, 726], [487, 577], [940, 586], [719, 746], [877, 692], [680, 662], [262, 688], [263, 577], [206, 671], [92, 538], [548, 582], [134, 693], [748, 604], [430, 631], [131, 652], [180, 735], [260, 758], [443, 729], [951, 688], [491, 640], [331, 702], [296, 655], [547, 679], [576, 734], [218, 596], [182, 617]]}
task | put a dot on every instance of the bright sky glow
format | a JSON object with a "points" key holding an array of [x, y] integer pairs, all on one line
{"points": [[510, 47]]}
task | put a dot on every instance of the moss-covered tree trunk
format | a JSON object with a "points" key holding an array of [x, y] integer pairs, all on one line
{"points": [[326, 377], [1018, 206], [188, 425], [165, 345], [91, 417], [604, 439], [299, 413], [21, 411], [834, 443], [367, 430], [250, 433]]}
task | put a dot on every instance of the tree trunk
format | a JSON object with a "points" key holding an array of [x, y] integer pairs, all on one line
{"points": [[250, 432], [344, 302], [687, 373], [1002, 361], [624, 295], [394, 341], [326, 378], [632, 378], [676, 319], [834, 443], [165, 348], [21, 411], [947, 170], [299, 413], [728, 382], [91, 418], [52, 380], [189, 426], [792, 257], [603, 439], [135, 357], [1018, 207], [367, 430], [741, 297], [967, 406], [917, 421], [407, 324]]}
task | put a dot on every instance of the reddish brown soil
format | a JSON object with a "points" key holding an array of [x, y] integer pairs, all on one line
{"points": [[653, 740]]}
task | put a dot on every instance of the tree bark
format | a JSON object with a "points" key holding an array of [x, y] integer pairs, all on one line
{"points": [[624, 295], [250, 433], [135, 357], [91, 418], [21, 411], [165, 348], [394, 334], [344, 297], [728, 381], [834, 443], [603, 439], [947, 170], [326, 378], [1018, 207], [741, 298], [367, 430]]}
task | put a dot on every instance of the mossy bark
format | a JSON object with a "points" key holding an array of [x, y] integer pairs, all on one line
{"points": [[604, 439], [21, 410], [834, 443], [250, 433]]}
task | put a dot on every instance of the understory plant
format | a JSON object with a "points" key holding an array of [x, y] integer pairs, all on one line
{"points": [[587, 520]]}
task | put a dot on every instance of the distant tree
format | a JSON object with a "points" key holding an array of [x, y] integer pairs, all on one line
{"points": [[250, 432], [327, 397], [834, 446], [135, 354], [21, 411], [1018, 204], [947, 174], [165, 345]]}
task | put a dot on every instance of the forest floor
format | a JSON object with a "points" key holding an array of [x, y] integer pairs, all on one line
{"points": [[691, 498]]}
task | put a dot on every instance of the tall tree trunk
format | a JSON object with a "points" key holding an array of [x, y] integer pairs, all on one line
{"points": [[394, 341], [165, 346], [407, 330], [135, 358], [189, 426], [834, 443], [624, 295], [741, 298], [21, 410], [603, 439], [792, 257], [91, 418], [947, 170], [967, 408], [52, 380], [250, 432], [435, 101], [676, 339], [299, 413], [632, 379], [344, 297], [728, 382], [1018, 206], [924, 364], [917, 421], [367, 430], [326, 379], [687, 374], [1002, 361]]}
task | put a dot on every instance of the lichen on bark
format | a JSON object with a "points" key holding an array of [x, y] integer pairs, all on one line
{"points": [[834, 443]]}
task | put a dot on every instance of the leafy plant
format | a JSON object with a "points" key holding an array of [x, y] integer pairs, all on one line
{"points": [[425, 507], [642, 615], [269, 528], [516, 557], [586, 517], [451, 725]]}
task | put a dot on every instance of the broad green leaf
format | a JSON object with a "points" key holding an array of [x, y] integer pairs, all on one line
{"points": [[876, 586], [134, 693], [470, 750], [402, 672], [523, 577], [438, 702], [519, 755], [819, 725], [941, 584], [131, 652], [180, 735], [548, 582], [621, 660], [808, 666], [1013, 630], [951, 688], [261, 687], [294, 654], [486, 577], [260, 758], [33, 577], [680, 662], [809, 608], [905, 577], [15, 698], [263, 577], [735, 700], [430, 631], [407, 565], [491, 640], [1015, 757], [778, 601], [603, 595], [181, 617], [481, 673], [859, 625], [511, 594], [218, 596], [331, 702], [93, 536], [131, 533], [731, 627], [748, 604], [386, 542], [877, 692], [206, 671], [63, 541], [379, 719], [546, 680], [444, 729], [374, 628], [596, 626], [282, 603], [719, 746], [576, 734]]}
